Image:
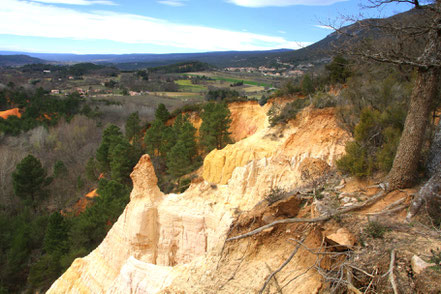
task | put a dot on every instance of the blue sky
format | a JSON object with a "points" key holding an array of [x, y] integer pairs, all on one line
{"points": [[169, 26]]}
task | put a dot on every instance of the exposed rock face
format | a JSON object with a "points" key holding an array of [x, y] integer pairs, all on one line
{"points": [[314, 134], [246, 119], [173, 242]]}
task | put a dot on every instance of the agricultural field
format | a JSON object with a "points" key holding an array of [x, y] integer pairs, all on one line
{"points": [[247, 78], [188, 86]]}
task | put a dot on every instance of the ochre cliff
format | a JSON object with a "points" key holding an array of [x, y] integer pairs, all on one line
{"points": [[247, 117], [175, 243], [314, 133]]}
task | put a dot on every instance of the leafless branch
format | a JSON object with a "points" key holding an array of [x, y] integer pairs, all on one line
{"points": [[275, 279], [378, 3], [391, 272], [280, 267]]}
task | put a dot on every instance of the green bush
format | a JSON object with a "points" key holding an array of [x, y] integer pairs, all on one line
{"points": [[323, 100], [277, 115], [436, 257], [376, 230], [355, 161], [275, 195], [376, 140], [288, 88]]}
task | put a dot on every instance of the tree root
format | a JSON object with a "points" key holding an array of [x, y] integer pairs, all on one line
{"points": [[429, 191], [351, 208]]}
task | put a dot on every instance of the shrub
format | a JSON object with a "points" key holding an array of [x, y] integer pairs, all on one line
{"points": [[188, 108], [355, 161], [279, 115], [275, 195], [376, 140], [288, 88], [436, 257], [375, 230], [323, 100]]}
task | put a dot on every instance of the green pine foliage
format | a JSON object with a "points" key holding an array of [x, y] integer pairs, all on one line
{"points": [[60, 169], [90, 227], [181, 158], [133, 127], [45, 271], [375, 144], [178, 160], [123, 158], [373, 108], [21, 237], [338, 70], [38, 108], [91, 171], [112, 135], [155, 137], [162, 113], [214, 131], [29, 180], [56, 237], [307, 85]]}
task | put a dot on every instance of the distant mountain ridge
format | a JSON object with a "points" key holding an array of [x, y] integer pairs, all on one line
{"points": [[19, 60], [139, 60], [315, 53]]}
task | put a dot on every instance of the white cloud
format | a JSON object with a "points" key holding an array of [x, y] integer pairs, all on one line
{"points": [[282, 32], [77, 2], [25, 18], [174, 3], [281, 3], [324, 27]]}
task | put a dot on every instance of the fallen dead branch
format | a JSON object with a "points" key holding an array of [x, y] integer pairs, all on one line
{"points": [[391, 272], [317, 262], [275, 279], [354, 207], [387, 211], [353, 288], [280, 267]]}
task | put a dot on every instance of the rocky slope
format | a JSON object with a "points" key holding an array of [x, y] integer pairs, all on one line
{"points": [[175, 243]]}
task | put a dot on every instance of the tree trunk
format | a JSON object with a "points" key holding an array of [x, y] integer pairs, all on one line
{"points": [[403, 172], [429, 194], [434, 161]]}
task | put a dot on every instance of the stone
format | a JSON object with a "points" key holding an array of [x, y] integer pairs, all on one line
{"points": [[342, 239], [419, 265]]}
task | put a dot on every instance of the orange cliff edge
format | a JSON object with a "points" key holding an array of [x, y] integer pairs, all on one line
{"points": [[10, 112]]}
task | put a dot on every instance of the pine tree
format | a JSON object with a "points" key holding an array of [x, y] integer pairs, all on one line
{"points": [[133, 127], [112, 135], [56, 237], [216, 120], [122, 160], [91, 173], [338, 70], [162, 113], [153, 137], [178, 162], [181, 157], [187, 135], [29, 179], [307, 85]]}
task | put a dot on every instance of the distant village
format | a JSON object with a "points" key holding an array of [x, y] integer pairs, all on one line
{"points": [[285, 70]]}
